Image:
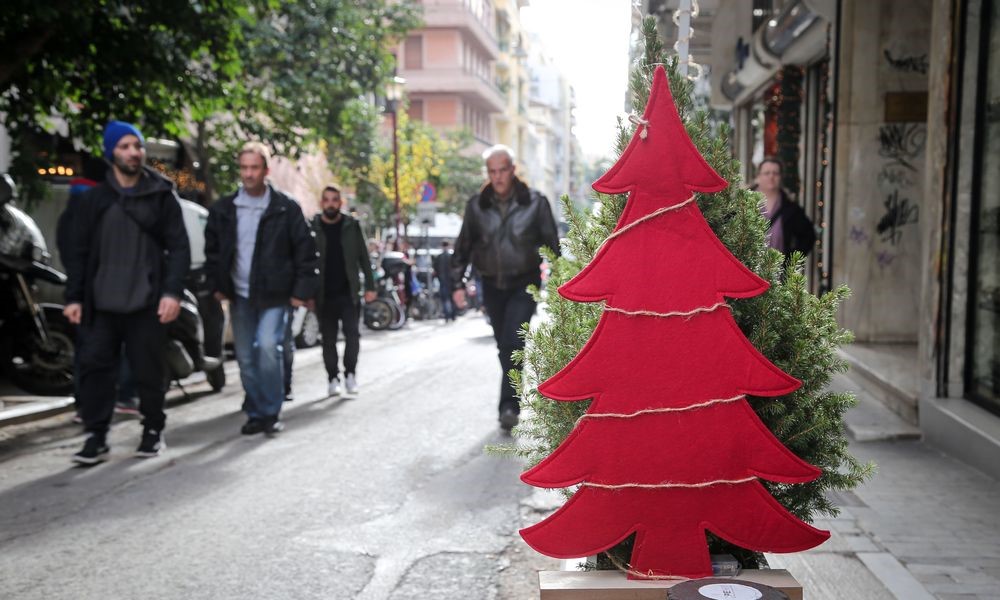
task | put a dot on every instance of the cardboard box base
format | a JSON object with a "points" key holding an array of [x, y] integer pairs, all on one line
{"points": [[613, 585]]}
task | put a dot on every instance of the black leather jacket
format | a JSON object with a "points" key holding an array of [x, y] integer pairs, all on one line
{"points": [[504, 249], [285, 261]]}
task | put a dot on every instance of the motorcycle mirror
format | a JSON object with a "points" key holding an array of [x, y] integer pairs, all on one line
{"points": [[8, 191]]}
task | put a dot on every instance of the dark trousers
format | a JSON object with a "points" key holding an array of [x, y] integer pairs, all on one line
{"points": [[508, 310], [100, 345], [289, 355], [447, 304], [339, 309]]}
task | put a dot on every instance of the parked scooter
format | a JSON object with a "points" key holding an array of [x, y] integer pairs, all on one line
{"points": [[196, 336], [185, 351], [36, 340]]}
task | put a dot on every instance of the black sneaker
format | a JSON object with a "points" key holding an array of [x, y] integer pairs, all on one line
{"points": [[508, 419], [95, 450], [151, 445], [273, 426], [252, 427]]}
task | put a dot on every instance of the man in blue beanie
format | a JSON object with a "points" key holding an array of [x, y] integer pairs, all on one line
{"points": [[128, 257]]}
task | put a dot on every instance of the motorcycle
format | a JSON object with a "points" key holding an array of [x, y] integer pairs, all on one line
{"points": [[195, 338], [185, 350], [36, 340], [388, 311]]}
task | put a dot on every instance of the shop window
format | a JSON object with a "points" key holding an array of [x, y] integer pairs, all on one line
{"points": [[983, 364]]}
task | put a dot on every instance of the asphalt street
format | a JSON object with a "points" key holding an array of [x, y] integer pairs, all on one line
{"points": [[386, 495]]}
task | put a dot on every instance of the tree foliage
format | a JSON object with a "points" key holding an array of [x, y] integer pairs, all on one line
{"points": [[424, 156], [213, 72], [89, 62], [793, 328], [311, 72]]}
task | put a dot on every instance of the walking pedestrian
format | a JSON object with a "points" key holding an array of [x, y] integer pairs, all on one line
{"points": [[503, 228], [344, 260], [790, 230], [442, 269], [260, 256], [125, 280]]}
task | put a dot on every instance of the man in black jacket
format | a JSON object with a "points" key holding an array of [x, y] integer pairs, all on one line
{"points": [[126, 273], [503, 228], [261, 257], [346, 272]]}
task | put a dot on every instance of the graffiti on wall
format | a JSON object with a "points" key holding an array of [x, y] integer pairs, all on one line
{"points": [[901, 148], [898, 213], [902, 143], [908, 64]]}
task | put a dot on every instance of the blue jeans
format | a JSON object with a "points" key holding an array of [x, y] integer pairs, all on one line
{"points": [[259, 335]]}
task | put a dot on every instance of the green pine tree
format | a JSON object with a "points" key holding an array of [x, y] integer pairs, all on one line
{"points": [[794, 329]]}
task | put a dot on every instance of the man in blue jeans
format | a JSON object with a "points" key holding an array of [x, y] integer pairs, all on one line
{"points": [[260, 255]]}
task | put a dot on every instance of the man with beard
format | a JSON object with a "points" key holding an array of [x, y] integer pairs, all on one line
{"points": [[260, 257], [129, 255], [343, 256]]}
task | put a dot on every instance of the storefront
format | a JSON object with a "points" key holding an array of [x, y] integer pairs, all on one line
{"points": [[777, 82]]}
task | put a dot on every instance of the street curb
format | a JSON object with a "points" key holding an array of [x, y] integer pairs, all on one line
{"points": [[894, 576], [35, 409]]}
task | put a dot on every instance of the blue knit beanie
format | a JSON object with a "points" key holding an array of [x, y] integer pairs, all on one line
{"points": [[114, 132]]}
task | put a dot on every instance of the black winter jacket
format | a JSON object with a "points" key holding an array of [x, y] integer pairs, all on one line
{"points": [[357, 264], [796, 228], [504, 249], [159, 217], [285, 262]]}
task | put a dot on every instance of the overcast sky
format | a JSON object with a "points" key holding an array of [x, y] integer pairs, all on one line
{"points": [[588, 41]]}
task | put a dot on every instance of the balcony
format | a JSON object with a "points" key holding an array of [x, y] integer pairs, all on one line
{"points": [[455, 14], [455, 81]]}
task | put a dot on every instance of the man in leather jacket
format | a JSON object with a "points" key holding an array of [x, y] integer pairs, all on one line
{"points": [[503, 228]]}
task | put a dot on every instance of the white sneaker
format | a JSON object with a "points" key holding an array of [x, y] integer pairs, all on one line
{"points": [[334, 388], [351, 383]]}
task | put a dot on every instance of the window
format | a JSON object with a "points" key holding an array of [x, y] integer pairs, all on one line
{"points": [[416, 110], [984, 275], [414, 52]]}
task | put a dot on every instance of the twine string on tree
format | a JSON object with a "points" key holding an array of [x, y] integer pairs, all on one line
{"points": [[640, 122], [625, 568], [651, 215], [667, 484], [650, 313], [667, 409]]}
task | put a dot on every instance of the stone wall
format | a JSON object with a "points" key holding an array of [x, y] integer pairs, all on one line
{"points": [[879, 168]]}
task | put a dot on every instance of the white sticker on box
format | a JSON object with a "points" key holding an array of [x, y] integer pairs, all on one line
{"points": [[729, 591]]}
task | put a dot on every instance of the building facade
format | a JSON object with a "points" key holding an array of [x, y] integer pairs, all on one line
{"points": [[450, 71], [883, 115]]}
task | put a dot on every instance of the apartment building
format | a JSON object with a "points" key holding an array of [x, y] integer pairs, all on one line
{"points": [[450, 68]]}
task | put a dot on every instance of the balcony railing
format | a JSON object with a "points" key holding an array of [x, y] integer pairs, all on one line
{"points": [[458, 14]]}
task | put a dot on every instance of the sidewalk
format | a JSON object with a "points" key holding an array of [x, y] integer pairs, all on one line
{"points": [[925, 526]]}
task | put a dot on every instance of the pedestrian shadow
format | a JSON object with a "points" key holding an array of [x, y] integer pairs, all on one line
{"points": [[198, 456]]}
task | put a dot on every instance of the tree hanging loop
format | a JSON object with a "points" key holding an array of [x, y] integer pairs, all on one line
{"points": [[640, 122]]}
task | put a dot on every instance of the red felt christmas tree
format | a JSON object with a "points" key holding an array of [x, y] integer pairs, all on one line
{"points": [[669, 447]]}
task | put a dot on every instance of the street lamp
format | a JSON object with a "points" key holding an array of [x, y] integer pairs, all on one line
{"points": [[393, 94]]}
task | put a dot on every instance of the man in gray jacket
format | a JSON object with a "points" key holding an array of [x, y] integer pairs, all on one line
{"points": [[503, 228]]}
